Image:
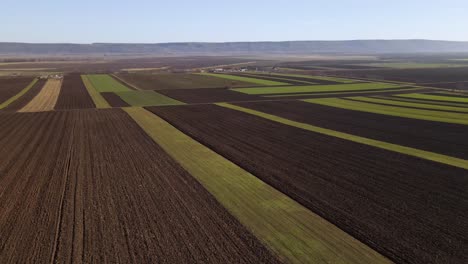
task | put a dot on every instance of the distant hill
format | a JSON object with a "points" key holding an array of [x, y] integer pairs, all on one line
{"points": [[237, 48]]}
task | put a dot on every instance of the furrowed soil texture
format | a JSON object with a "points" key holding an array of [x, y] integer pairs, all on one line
{"points": [[97, 189], [74, 94], [443, 138], [27, 97], [9, 87], [407, 208], [163, 81], [46, 99]]}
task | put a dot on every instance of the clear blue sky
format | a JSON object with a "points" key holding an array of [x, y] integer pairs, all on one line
{"points": [[86, 21]]}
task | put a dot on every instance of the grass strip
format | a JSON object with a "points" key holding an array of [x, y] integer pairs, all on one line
{"points": [[286, 227], [18, 95], [105, 83], [146, 98], [412, 100], [245, 79], [427, 106], [315, 88], [430, 115], [456, 162], [339, 93], [98, 100], [436, 97], [278, 78], [323, 78]]}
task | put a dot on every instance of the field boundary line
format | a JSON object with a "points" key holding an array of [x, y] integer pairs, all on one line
{"points": [[18, 95], [290, 230], [98, 100], [432, 156], [129, 85]]}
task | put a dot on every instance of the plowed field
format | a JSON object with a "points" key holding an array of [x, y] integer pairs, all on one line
{"points": [[74, 94], [97, 189], [407, 208]]}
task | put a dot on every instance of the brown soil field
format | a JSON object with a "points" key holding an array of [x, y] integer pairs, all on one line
{"points": [[27, 97], [436, 75], [114, 100], [409, 209], [9, 87], [449, 85], [74, 94], [164, 81], [209, 95], [378, 92], [45, 100], [410, 107], [443, 138], [97, 189]]}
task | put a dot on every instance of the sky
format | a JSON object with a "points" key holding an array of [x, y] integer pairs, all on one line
{"points": [[153, 21]]}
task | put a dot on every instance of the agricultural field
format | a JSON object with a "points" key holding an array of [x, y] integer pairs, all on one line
{"points": [[336, 161], [162, 81]]}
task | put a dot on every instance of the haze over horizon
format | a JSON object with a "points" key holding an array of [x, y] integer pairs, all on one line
{"points": [[146, 21]]}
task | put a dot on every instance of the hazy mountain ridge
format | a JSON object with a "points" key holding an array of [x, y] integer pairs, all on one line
{"points": [[227, 48]]}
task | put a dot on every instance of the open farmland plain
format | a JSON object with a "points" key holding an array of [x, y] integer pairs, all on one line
{"points": [[237, 167]]}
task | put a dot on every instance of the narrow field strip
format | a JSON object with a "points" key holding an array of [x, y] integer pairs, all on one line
{"points": [[27, 97], [427, 106], [245, 79], [411, 100], [460, 99], [338, 93], [315, 88], [277, 78], [146, 98], [316, 77], [98, 99], [18, 95], [430, 115], [460, 163], [74, 94], [286, 227], [105, 83], [46, 99]]}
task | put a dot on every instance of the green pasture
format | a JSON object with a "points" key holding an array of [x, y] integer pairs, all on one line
{"points": [[105, 83], [146, 98]]}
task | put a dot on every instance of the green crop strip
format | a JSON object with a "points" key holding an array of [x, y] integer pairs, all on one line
{"points": [[461, 163], [427, 106], [244, 79], [436, 97], [430, 115], [323, 78], [146, 98], [279, 78], [339, 93], [105, 83], [412, 100], [18, 95], [315, 88], [98, 100], [290, 230]]}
